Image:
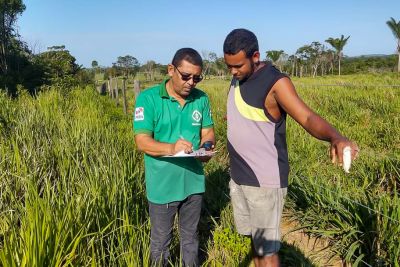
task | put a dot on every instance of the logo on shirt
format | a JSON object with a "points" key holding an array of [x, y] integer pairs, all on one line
{"points": [[139, 114], [196, 115]]}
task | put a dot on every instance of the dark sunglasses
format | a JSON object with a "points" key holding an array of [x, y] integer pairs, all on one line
{"points": [[187, 77]]}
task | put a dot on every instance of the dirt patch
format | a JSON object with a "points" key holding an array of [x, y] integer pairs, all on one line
{"points": [[317, 250]]}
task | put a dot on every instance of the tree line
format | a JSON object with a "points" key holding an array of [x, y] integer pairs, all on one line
{"points": [[317, 59], [21, 68]]}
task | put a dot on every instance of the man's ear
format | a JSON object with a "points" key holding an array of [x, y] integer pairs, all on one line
{"points": [[256, 57], [171, 70]]}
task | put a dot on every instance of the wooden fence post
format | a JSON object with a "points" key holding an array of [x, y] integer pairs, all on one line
{"points": [[116, 91], [124, 94], [136, 88], [109, 87]]}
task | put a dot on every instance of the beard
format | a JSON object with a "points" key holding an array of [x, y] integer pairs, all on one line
{"points": [[254, 66]]}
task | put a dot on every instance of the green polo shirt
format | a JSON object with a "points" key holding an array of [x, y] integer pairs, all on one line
{"points": [[162, 117]]}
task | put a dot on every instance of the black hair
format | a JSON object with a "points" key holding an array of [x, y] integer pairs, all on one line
{"points": [[188, 54], [241, 39]]}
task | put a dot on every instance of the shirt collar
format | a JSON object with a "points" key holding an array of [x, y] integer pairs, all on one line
{"points": [[164, 93], [163, 89]]}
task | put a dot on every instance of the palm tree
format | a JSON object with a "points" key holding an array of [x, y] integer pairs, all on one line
{"points": [[338, 44], [274, 56], [395, 27]]}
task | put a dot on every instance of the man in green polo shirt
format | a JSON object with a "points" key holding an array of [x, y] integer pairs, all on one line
{"points": [[169, 118]]}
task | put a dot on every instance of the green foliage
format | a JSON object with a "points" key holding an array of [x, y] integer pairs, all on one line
{"points": [[233, 247], [23, 69], [95, 64], [348, 208], [61, 70], [13, 53], [59, 63], [274, 55], [372, 64], [127, 66], [73, 186], [85, 77], [9, 11], [152, 71], [338, 43], [72, 183], [395, 28]]}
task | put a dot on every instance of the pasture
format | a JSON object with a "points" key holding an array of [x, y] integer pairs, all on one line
{"points": [[72, 183]]}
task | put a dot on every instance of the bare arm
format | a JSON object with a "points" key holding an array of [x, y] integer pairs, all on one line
{"points": [[287, 97], [207, 134], [148, 145]]}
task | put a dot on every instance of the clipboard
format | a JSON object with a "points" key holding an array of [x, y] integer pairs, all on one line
{"points": [[197, 153]]}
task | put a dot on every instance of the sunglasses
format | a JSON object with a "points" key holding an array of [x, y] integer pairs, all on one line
{"points": [[187, 77]]}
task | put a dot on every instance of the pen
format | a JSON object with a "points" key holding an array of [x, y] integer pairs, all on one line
{"points": [[181, 137]]}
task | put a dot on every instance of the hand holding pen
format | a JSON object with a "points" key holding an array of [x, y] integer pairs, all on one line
{"points": [[184, 145]]}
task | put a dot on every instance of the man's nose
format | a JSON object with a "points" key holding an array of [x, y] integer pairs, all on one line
{"points": [[191, 81], [234, 71]]}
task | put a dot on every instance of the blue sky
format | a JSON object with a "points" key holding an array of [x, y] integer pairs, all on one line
{"points": [[154, 30]]}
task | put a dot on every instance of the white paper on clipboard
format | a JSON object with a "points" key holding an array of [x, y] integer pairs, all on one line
{"points": [[197, 153]]}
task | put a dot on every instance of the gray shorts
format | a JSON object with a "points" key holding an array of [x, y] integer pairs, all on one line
{"points": [[257, 212]]}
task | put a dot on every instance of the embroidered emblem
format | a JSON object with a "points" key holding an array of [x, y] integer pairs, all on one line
{"points": [[196, 115], [139, 114]]}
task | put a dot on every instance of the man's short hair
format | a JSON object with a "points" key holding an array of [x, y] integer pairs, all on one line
{"points": [[241, 39], [188, 54]]}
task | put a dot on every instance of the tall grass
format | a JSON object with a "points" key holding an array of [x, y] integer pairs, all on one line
{"points": [[72, 189], [358, 212]]}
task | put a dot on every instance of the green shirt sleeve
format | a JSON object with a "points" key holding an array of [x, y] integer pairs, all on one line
{"points": [[207, 116], [143, 115]]}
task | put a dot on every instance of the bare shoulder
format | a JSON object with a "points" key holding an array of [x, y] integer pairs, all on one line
{"points": [[285, 93], [286, 96], [283, 85], [279, 90]]}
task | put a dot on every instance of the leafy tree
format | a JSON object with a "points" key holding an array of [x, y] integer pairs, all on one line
{"points": [[209, 59], [129, 65], [163, 69], [84, 77], [292, 61], [220, 67], [338, 44], [316, 50], [364, 64], [149, 68], [274, 55], [95, 68], [56, 48], [395, 27], [60, 65], [95, 64], [9, 11], [23, 69], [303, 55], [329, 57], [111, 72]]}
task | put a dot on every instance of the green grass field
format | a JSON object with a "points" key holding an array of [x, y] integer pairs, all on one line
{"points": [[72, 188]]}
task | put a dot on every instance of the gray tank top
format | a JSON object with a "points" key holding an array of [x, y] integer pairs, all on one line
{"points": [[256, 141]]}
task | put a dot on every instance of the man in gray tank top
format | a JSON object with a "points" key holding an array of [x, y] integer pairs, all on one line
{"points": [[259, 98]]}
